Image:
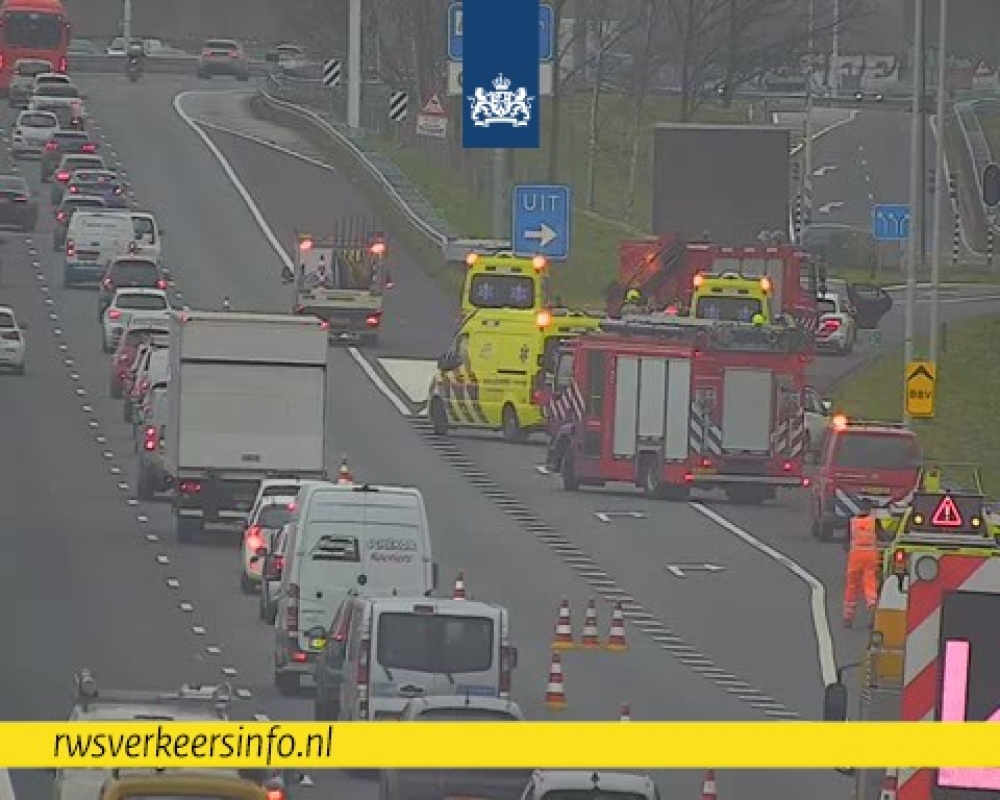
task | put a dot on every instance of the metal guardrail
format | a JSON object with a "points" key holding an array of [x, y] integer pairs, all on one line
{"points": [[979, 151], [168, 65], [289, 95]]}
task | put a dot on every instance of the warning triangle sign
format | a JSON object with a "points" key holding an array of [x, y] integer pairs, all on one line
{"points": [[433, 106], [947, 515], [983, 69]]}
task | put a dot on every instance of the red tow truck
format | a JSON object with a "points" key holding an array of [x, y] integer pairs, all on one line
{"points": [[671, 403], [663, 270]]}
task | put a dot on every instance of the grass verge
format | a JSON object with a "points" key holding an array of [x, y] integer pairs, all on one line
{"points": [[964, 429]]}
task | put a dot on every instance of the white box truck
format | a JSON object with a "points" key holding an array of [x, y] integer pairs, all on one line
{"points": [[246, 400]]}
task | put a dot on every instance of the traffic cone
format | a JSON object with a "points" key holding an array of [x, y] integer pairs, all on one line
{"points": [[591, 638], [616, 637], [344, 473], [555, 691], [459, 591], [563, 639], [708, 790], [889, 784], [626, 713]]}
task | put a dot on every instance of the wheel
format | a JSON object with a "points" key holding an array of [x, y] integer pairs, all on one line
{"points": [[56, 247], [143, 486], [438, 417], [114, 388], [749, 495], [247, 586], [512, 430], [287, 682], [188, 528], [571, 483], [650, 480], [127, 410], [106, 345], [262, 605]]}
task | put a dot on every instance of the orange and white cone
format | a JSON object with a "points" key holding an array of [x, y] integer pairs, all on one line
{"points": [[344, 473], [626, 713], [563, 639], [708, 789], [591, 636], [555, 691], [458, 593], [616, 637], [890, 783]]}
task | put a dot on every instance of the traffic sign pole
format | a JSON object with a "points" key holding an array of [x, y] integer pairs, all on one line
{"points": [[939, 184], [916, 188], [354, 66]]}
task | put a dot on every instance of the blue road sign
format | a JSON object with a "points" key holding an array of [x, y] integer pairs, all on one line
{"points": [[546, 30], [891, 223], [541, 221]]}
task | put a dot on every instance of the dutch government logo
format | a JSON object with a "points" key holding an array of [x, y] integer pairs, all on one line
{"points": [[501, 106]]}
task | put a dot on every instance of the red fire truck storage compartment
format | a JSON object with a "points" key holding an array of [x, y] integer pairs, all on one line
{"points": [[747, 410], [651, 408]]}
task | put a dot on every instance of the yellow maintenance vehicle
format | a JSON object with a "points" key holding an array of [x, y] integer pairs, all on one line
{"points": [[494, 375], [501, 280]]}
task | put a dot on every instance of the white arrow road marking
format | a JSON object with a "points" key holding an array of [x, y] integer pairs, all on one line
{"points": [[606, 516], [822, 172], [681, 570], [826, 208], [544, 235]]}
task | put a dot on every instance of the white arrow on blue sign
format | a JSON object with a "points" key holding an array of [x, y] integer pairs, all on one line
{"points": [[891, 222], [546, 30], [541, 221]]}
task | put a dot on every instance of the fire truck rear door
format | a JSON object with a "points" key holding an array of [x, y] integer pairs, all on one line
{"points": [[652, 406], [747, 413]]}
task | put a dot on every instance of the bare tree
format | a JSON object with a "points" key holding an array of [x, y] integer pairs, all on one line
{"points": [[645, 63]]}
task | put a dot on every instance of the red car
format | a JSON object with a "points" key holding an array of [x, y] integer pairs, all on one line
{"points": [[124, 357]]}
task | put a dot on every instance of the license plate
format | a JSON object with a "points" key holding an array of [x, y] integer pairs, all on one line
{"points": [[317, 644], [875, 490], [705, 470]]}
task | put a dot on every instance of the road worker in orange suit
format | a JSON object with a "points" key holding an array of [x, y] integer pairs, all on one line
{"points": [[862, 563]]}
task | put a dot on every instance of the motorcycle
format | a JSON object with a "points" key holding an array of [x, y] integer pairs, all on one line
{"points": [[134, 69]]}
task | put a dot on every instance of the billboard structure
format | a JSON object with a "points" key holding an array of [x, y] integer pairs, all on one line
{"points": [[730, 182]]}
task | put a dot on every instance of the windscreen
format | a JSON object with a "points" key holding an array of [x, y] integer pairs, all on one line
{"points": [[83, 162], [591, 794], [29, 69], [71, 204], [143, 226], [274, 516], [436, 643], [870, 451], [502, 291], [58, 90], [333, 546], [728, 309], [826, 307], [142, 302], [70, 137], [6, 320], [220, 44], [38, 120], [33, 29], [125, 272], [465, 715]]}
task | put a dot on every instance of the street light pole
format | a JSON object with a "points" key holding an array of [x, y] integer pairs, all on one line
{"points": [[916, 187], [940, 183], [835, 56], [807, 171], [354, 65], [127, 21]]}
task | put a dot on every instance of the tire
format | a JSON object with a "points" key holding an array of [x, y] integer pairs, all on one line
{"points": [[114, 389], [438, 417], [262, 603], [247, 586], [143, 486], [106, 345], [512, 430], [127, 411], [650, 481], [571, 483], [188, 529], [287, 683]]}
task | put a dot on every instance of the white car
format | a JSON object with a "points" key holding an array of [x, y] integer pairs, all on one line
{"points": [[817, 419], [12, 344], [31, 132], [259, 537], [129, 305], [836, 331]]}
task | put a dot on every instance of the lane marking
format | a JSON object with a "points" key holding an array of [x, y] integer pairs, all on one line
{"points": [[6, 786], [265, 228], [817, 590]]}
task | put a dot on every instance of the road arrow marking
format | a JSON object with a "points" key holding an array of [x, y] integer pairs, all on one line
{"points": [[681, 570], [822, 172], [544, 235], [606, 516], [826, 208]]}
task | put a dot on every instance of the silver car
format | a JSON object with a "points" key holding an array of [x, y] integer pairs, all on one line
{"points": [[31, 132]]}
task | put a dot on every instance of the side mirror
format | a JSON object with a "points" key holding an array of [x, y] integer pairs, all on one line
{"points": [[287, 276], [835, 703], [827, 406], [22, 325], [434, 577], [513, 658]]}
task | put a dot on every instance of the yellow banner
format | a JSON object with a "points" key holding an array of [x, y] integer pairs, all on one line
{"points": [[543, 745]]}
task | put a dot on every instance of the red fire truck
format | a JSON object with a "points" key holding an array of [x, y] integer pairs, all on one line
{"points": [[669, 403], [663, 270]]}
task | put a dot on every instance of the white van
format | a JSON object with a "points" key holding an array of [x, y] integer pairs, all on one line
{"points": [[93, 240], [382, 652], [147, 236], [344, 537]]}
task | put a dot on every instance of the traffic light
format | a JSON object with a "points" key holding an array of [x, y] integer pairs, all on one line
{"points": [[991, 186]]}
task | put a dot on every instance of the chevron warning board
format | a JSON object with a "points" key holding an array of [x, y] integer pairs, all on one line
{"points": [[398, 106], [331, 72]]}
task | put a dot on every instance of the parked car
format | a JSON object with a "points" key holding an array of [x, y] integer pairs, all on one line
{"points": [[18, 208]]}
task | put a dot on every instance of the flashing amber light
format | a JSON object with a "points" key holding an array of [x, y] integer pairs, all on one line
{"points": [[538, 262], [900, 561], [305, 245], [698, 280], [839, 422], [471, 259], [765, 284], [918, 519], [543, 319], [975, 522]]}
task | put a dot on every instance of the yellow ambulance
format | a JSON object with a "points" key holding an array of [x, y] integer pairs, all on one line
{"points": [[496, 281]]}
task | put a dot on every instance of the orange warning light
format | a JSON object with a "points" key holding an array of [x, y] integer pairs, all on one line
{"points": [[839, 422]]}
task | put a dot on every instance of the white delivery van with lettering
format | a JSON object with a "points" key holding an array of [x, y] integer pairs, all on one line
{"points": [[373, 540]]}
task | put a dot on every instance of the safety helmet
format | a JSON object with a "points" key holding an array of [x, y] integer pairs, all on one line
{"points": [[758, 319], [633, 296]]}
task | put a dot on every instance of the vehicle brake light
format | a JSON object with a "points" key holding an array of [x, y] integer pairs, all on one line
{"points": [[89, 147], [114, 313], [372, 320], [830, 326], [543, 318], [161, 284], [705, 463], [900, 562], [305, 244], [839, 422], [50, 146], [74, 189], [62, 177], [787, 466], [275, 794], [108, 283], [62, 64], [378, 249], [151, 440], [364, 657], [70, 247], [254, 539], [61, 216], [234, 53], [324, 325], [189, 487], [21, 199]]}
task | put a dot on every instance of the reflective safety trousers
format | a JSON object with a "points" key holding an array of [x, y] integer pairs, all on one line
{"points": [[862, 575]]}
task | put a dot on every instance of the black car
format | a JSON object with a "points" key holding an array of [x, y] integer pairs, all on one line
{"points": [[65, 211], [128, 271], [64, 143], [64, 172], [17, 207]]}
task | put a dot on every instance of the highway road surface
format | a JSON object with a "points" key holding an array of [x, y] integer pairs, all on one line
{"points": [[100, 582]]}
